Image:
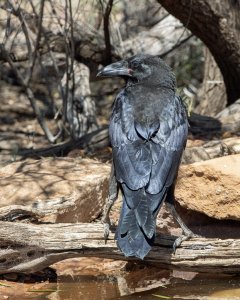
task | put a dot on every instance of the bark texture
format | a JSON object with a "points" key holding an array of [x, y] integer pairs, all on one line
{"points": [[211, 97], [217, 24], [29, 248], [80, 106]]}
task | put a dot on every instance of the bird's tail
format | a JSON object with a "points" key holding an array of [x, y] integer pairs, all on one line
{"points": [[136, 229]]}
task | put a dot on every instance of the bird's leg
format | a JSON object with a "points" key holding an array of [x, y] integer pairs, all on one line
{"points": [[187, 233], [180, 222], [112, 196]]}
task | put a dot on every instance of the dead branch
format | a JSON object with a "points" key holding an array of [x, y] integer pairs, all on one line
{"points": [[108, 56], [91, 45], [94, 140], [31, 98], [211, 149], [220, 38], [28, 248], [25, 82], [36, 49], [179, 43]]}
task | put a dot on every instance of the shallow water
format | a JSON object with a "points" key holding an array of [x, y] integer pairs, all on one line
{"points": [[200, 287], [135, 284]]}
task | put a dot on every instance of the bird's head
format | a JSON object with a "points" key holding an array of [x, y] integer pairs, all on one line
{"points": [[143, 69]]}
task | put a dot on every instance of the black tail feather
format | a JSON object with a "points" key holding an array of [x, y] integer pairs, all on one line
{"points": [[136, 229], [133, 242]]}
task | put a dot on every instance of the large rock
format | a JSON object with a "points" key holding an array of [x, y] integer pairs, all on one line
{"points": [[74, 190], [211, 187], [63, 189]]}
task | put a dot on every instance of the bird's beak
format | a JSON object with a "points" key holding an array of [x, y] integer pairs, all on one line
{"points": [[119, 68]]}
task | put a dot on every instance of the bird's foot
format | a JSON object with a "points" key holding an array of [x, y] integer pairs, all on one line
{"points": [[106, 223], [106, 231], [186, 236]]}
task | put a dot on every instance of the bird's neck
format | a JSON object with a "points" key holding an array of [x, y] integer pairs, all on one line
{"points": [[160, 87], [132, 82]]}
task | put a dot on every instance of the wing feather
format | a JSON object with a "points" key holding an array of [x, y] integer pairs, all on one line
{"points": [[151, 164]]}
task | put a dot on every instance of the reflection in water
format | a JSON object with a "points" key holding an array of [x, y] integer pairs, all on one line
{"points": [[201, 287], [87, 287], [136, 282]]}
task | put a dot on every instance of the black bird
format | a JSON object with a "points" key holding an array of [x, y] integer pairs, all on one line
{"points": [[148, 132]]}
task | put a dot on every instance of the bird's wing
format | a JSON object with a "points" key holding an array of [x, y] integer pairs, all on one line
{"points": [[145, 167], [131, 156], [167, 146], [152, 164]]}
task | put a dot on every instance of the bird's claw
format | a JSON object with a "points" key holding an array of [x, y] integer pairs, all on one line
{"points": [[177, 243], [106, 231], [106, 227]]}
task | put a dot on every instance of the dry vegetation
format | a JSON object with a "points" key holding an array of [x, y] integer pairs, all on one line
{"points": [[53, 105]]}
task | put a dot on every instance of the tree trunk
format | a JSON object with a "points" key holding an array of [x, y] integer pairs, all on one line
{"points": [[217, 24], [211, 97], [80, 106]]}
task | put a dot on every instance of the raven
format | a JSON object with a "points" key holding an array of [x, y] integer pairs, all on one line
{"points": [[148, 132]]}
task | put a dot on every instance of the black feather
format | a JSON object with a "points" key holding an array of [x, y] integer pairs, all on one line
{"points": [[148, 132]]}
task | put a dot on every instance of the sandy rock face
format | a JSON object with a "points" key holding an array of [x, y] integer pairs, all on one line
{"points": [[211, 187], [74, 190], [64, 189]]}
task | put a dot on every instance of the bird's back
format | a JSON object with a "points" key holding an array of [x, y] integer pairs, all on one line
{"points": [[148, 130]]}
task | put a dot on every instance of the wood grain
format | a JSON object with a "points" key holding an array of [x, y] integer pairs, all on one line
{"points": [[28, 248]]}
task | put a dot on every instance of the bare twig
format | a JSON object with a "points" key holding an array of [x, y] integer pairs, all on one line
{"points": [[67, 101], [181, 41], [39, 32], [8, 28], [30, 96], [70, 79], [55, 66], [19, 14], [178, 44], [32, 56], [66, 93], [94, 140], [108, 56]]}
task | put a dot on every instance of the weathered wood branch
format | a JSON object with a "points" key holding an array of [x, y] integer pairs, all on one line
{"points": [[211, 149], [28, 248], [32, 100], [93, 140], [108, 58], [92, 45], [200, 125]]}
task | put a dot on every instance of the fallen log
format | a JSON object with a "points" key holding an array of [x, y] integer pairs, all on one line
{"points": [[211, 149], [28, 248]]}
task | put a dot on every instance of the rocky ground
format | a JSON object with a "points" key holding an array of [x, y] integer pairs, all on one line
{"points": [[74, 188]]}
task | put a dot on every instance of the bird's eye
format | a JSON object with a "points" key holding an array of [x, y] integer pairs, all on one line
{"points": [[135, 64]]}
